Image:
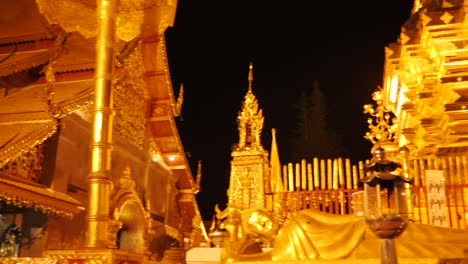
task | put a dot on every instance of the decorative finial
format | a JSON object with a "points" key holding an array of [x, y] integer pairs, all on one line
{"points": [[180, 99], [250, 77], [198, 178], [50, 89], [416, 6], [126, 180], [381, 124]]}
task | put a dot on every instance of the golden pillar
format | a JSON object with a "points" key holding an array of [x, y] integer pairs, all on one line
{"points": [[99, 180]]}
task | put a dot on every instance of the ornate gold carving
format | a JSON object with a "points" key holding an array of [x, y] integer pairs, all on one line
{"points": [[154, 150], [382, 127], [135, 70], [160, 110], [129, 212], [67, 107], [49, 88], [23, 145], [130, 101], [39, 198], [246, 187], [80, 15], [126, 181], [27, 166]]}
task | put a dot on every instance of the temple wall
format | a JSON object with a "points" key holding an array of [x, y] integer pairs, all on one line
{"points": [[70, 175]]}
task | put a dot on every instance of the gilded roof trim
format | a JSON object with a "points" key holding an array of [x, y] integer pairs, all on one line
{"points": [[175, 130], [37, 197], [14, 66], [188, 172], [71, 105], [76, 15], [18, 146]]}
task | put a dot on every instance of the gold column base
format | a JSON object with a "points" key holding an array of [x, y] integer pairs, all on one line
{"points": [[91, 256]]}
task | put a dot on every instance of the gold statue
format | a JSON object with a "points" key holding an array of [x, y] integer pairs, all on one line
{"points": [[313, 234], [250, 230]]}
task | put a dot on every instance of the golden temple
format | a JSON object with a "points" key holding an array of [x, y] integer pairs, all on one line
{"points": [[92, 166], [93, 170]]}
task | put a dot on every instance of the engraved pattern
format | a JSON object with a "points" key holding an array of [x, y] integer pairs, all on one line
{"points": [[246, 187], [130, 102], [27, 166], [24, 144]]}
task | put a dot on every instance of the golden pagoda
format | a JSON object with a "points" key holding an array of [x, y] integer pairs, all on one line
{"points": [[255, 182], [92, 168], [425, 87], [249, 179]]}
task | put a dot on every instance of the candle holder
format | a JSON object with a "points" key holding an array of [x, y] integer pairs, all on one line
{"points": [[382, 202]]}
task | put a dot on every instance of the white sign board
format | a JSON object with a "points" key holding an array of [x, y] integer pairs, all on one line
{"points": [[436, 199]]}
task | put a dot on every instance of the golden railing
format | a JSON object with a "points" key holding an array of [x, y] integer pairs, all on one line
{"points": [[328, 185]]}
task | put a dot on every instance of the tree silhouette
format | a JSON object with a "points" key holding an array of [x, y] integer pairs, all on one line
{"points": [[312, 137]]}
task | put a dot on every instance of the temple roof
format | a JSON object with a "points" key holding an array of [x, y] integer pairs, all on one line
{"points": [[16, 28], [38, 197]]}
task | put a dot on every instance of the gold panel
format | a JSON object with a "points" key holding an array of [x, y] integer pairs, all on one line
{"points": [[160, 110], [162, 128]]}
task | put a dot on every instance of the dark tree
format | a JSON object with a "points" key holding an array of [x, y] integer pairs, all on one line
{"points": [[312, 137]]}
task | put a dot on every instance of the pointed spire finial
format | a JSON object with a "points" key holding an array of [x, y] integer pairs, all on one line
{"points": [[177, 108], [276, 183], [198, 178], [250, 77]]}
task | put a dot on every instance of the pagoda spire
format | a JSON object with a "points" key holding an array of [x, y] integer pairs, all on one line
{"points": [[276, 184], [250, 120], [250, 78], [275, 165]]}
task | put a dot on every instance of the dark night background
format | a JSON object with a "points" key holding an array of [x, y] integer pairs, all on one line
{"points": [[291, 44]]}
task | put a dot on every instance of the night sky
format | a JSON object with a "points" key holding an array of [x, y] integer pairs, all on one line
{"points": [[291, 44]]}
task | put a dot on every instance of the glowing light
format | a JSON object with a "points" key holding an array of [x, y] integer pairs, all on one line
{"points": [[171, 158], [393, 89], [401, 99]]}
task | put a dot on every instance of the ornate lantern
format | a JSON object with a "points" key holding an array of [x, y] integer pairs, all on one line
{"points": [[384, 191]]}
